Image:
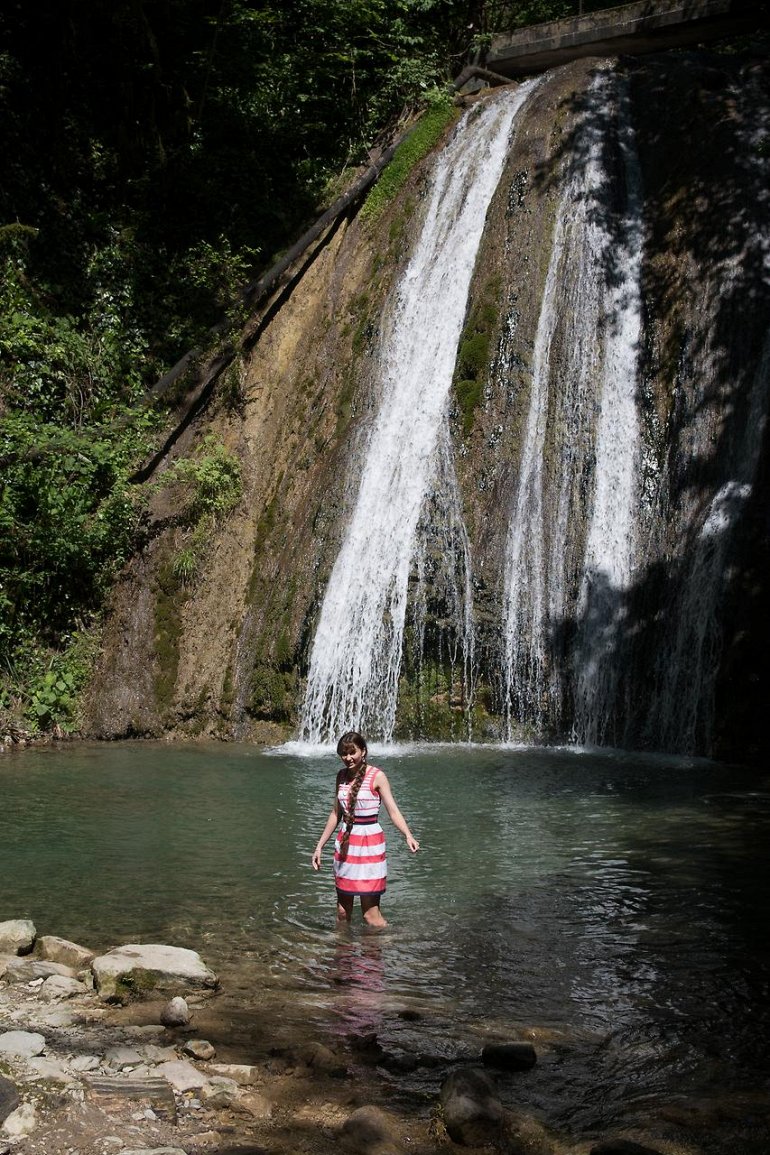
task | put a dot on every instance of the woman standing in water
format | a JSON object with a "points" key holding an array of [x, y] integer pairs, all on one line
{"points": [[360, 867]]}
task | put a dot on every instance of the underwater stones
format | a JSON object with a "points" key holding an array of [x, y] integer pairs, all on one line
{"points": [[622, 1147], [17, 936], [369, 1131], [473, 1114], [135, 971], [509, 1056]]}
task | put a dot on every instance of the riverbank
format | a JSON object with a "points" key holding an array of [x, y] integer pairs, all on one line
{"points": [[83, 1073]]}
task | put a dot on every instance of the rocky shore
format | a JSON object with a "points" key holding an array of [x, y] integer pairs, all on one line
{"points": [[109, 1055]]}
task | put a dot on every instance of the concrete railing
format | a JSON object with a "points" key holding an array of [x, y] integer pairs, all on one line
{"points": [[645, 26]]}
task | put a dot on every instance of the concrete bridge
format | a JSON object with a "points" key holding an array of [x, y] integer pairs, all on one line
{"points": [[632, 29]]}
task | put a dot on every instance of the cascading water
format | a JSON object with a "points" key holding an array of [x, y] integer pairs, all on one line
{"points": [[356, 654], [581, 434]]}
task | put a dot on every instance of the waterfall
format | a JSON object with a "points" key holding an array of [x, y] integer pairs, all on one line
{"points": [[356, 655], [581, 436]]}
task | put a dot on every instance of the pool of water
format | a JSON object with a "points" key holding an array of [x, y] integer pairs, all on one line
{"points": [[613, 907]]}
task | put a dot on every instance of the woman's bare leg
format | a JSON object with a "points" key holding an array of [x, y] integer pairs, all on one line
{"points": [[370, 908], [344, 907]]}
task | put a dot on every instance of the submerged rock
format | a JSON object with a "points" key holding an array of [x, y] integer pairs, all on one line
{"points": [[622, 1147], [509, 1056], [139, 970], [17, 936], [473, 1114], [369, 1131]]}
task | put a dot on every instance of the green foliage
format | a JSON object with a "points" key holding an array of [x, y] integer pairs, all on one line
{"points": [[423, 137], [211, 481], [206, 488]]}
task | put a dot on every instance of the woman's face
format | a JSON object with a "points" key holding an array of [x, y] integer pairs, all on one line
{"points": [[352, 758]]}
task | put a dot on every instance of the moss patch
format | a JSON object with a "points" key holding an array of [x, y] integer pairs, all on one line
{"points": [[424, 136], [169, 601]]}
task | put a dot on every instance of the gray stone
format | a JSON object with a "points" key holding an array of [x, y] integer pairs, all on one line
{"points": [[61, 950], [115, 1093], [181, 1075], [61, 987], [152, 1151], [240, 1073], [85, 1063], [473, 1114], [21, 1122], [155, 1054], [176, 1013], [21, 1044], [199, 1049], [254, 1104], [26, 970], [17, 936], [50, 1069], [140, 970], [122, 1057]]}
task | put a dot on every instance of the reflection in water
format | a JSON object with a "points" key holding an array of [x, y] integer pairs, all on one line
{"points": [[358, 973]]}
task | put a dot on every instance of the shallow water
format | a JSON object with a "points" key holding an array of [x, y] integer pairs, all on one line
{"points": [[613, 905]]}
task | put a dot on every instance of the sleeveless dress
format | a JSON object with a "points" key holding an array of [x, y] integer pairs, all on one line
{"points": [[362, 868]]}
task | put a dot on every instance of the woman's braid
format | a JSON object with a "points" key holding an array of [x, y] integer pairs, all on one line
{"points": [[350, 809]]}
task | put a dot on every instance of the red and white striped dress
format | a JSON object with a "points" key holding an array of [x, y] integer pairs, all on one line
{"points": [[362, 869]]}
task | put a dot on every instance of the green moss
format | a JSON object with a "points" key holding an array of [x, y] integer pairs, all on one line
{"points": [[169, 601], [137, 984], [423, 137], [473, 355]]}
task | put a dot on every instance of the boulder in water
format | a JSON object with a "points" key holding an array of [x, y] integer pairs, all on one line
{"points": [[473, 1114], [137, 971]]}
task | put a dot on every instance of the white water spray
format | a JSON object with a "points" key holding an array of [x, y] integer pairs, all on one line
{"points": [[582, 415], [356, 656]]}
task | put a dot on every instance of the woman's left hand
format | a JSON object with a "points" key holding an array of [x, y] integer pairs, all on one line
{"points": [[412, 843]]}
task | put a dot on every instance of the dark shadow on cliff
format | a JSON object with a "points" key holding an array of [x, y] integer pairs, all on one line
{"points": [[677, 660]]}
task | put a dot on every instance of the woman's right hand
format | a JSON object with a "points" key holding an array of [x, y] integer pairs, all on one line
{"points": [[316, 858]]}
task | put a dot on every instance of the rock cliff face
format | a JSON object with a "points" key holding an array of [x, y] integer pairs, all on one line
{"points": [[591, 555]]}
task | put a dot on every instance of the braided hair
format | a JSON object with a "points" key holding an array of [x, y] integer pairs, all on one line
{"points": [[351, 738]]}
